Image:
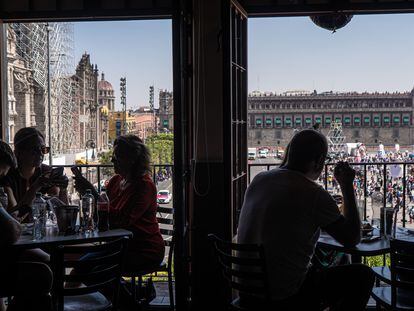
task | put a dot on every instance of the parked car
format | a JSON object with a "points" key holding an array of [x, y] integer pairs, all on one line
{"points": [[164, 196]]}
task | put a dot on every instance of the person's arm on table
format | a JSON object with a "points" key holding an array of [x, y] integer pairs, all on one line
{"points": [[347, 229], [10, 228]]}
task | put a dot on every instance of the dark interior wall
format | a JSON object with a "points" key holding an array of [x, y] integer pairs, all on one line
{"points": [[209, 211], [208, 84], [3, 79]]}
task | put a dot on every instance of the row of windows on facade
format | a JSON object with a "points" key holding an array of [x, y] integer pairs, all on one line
{"points": [[346, 121], [364, 104], [355, 134]]}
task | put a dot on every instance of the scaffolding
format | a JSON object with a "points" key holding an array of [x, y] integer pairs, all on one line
{"points": [[31, 45], [336, 140]]}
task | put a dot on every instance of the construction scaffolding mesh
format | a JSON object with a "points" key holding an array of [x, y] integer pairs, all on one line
{"points": [[336, 139], [31, 45]]}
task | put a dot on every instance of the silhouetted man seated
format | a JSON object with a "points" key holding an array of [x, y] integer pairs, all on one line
{"points": [[284, 209]]}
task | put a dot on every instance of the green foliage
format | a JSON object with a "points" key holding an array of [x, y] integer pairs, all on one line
{"points": [[105, 158], [161, 147], [377, 261]]}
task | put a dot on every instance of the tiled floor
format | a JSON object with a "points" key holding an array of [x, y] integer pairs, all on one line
{"points": [[163, 298]]}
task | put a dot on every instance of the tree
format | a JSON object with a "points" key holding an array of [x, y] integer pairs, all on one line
{"points": [[161, 147], [104, 159]]}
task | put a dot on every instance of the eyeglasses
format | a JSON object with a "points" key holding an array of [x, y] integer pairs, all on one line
{"points": [[42, 150]]}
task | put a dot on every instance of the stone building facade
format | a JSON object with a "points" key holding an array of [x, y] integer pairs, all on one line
{"points": [[145, 121], [26, 98], [369, 118], [106, 101], [86, 101], [120, 123]]}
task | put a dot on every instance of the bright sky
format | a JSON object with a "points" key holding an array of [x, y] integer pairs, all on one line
{"points": [[139, 50], [372, 53]]}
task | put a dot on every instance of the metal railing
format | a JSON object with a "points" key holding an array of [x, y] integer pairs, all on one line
{"points": [[98, 173], [381, 174]]}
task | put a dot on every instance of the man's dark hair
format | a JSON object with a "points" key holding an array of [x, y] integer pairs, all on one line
{"points": [[7, 155], [306, 146], [24, 135]]}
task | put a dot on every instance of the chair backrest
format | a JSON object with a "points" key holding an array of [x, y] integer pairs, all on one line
{"points": [[165, 218], [97, 267], [402, 266], [244, 267]]}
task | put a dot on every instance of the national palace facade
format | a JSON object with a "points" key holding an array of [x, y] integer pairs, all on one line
{"points": [[366, 117]]}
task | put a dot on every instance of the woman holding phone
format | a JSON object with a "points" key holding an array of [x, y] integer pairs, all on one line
{"points": [[30, 175], [132, 201]]}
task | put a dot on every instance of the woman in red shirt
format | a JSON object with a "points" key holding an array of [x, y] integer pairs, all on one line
{"points": [[133, 201]]}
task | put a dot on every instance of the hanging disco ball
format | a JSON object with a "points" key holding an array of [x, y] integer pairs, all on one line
{"points": [[331, 22]]}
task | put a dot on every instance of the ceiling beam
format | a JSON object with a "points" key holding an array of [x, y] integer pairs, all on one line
{"points": [[79, 10], [308, 7]]}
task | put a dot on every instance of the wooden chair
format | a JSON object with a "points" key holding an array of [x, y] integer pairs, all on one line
{"points": [[400, 275], [102, 271], [244, 267], [164, 218]]}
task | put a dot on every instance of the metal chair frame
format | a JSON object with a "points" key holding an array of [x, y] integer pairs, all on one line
{"points": [[102, 271], [401, 272], [244, 268], [169, 240]]}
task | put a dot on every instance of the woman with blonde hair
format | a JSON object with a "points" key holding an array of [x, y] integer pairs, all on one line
{"points": [[133, 201]]}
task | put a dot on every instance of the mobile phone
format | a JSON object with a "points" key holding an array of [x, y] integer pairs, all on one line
{"points": [[57, 172], [76, 171]]}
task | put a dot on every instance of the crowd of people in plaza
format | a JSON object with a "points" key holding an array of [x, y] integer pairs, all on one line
{"points": [[371, 167], [26, 275]]}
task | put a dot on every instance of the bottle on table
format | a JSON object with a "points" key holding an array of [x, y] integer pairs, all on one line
{"points": [[4, 199], [39, 217], [87, 212], [103, 212]]}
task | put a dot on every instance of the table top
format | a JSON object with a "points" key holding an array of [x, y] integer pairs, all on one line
{"points": [[372, 248], [53, 238]]}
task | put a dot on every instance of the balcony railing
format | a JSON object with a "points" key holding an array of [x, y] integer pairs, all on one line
{"points": [[97, 174], [397, 189]]}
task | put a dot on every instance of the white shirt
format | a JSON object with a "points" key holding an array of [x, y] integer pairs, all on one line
{"points": [[284, 210]]}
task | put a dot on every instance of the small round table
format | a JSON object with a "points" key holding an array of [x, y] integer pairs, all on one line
{"points": [[372, 248], [366, 248]]}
